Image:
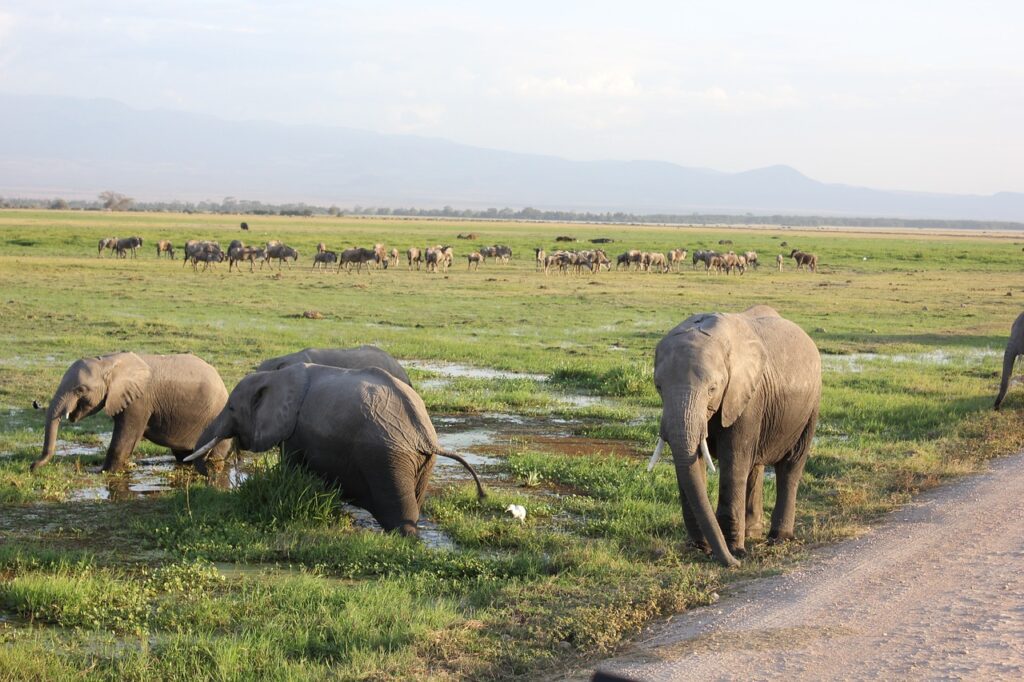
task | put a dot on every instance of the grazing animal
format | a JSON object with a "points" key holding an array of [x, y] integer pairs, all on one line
{"points": [[1014, 347], [744, 388], [361, 430], [676, 257], [283, 254], [502, 253], [359, 256], [359, 357], [393, 257], [778, 261], [467, 235], [122, 246], [473, 261], [321, 247], [164, 246], [602, 240], [107, 243], [415, 256], [565, 238], [324, 259], [802, 259], [245, 226], [539, 257]]}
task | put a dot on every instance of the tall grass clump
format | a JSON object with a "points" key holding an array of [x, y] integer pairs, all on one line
{"points": [[278, 494]]}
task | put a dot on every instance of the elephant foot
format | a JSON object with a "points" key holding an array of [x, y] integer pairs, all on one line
{"points": [[753, 533], [738, 552], [777, 536]]}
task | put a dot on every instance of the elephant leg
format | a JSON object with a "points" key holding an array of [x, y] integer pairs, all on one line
{"points": [[755, 502], [732, 488], [394, 500], [127, 434], [787, 480]]}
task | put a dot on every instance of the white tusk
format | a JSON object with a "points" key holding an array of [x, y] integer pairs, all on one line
{"points": [[67, 415], [657, 454], [706, 454], [202, 451]]}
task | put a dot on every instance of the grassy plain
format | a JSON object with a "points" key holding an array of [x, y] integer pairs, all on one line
{"points": [[271, 579]]}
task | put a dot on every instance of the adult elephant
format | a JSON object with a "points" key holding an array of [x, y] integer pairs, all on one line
{"points": [[362, 430], [745, 387], [1014, 347], [360, 357], [166, 399]]}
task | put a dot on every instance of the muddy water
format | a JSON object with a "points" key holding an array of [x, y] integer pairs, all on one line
{"points": [[856, 362]]}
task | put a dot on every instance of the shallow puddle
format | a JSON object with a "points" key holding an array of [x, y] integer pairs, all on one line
{"points": [[855, 362], [452, 370]]}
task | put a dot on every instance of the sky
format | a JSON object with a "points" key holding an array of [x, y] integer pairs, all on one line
{"points": [[900, 94]]}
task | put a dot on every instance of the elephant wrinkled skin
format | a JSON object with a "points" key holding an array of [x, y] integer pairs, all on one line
{"points": [[362, 430], [1014, 347], [746, 387], [360, 357]]}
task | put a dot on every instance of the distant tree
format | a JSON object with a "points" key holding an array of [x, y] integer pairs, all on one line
{"points": [[59, 205], [334, 210], [114, 201]]}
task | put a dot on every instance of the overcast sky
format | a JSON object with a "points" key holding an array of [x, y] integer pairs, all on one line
{"points": [[894, 94]]}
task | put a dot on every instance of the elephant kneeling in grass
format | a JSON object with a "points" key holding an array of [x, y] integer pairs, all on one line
{"points": [[362, 430], [166, 399], [746, 387], [360, 357]]}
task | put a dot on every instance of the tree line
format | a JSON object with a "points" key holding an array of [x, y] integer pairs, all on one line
{"points": [[114, 201]]}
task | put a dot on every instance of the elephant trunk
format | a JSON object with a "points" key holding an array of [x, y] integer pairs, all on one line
{"points": [[57, 410], [212, 435], [1009, 357], [684, 423]]}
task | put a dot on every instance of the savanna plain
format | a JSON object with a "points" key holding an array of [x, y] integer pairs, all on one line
{"points": [[158, 573]]}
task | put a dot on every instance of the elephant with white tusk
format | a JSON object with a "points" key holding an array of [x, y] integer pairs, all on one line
{"points": [[363, 430], [166, 399], [1014, 347], [745, 387]]}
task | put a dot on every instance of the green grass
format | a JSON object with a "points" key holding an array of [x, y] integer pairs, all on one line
{"points": [[273, 580]]}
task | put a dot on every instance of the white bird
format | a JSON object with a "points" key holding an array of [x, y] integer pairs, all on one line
{"points": [[517, 511]]}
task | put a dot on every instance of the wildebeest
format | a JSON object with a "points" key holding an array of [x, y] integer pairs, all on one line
{"points": [[472, 260], [324, 259], [565, 238], [245, 226], [502, 253], [122, 246], [539, 256], [602, 240], [359, 256], [802, 259], [676, 257], [207, 258], [282, 252], [467, 235], [107, 243]]}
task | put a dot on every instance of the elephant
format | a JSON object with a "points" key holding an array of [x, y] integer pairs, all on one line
{"points": [[166, 399], [344, 358], [1014, 347], [362, 430], [745, 386]]}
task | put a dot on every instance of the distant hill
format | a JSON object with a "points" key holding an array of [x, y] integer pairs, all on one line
{"points": [[75, 148]]}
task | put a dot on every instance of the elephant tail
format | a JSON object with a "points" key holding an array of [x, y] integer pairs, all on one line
{"points": [[458, 458]]}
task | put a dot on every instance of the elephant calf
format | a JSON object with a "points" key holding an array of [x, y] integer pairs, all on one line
{"points": [[166, 399], [362, 430], [1014, 347]]}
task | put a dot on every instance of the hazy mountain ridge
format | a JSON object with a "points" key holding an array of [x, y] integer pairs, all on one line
{"points": [[54, 146]]}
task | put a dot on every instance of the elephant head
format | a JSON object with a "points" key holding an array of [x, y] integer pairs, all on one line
{"points": [[109, 382], [707, 368], [261, 411]]}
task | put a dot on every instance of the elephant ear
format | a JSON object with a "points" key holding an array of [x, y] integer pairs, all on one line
{"points": [[127, 377], [746, 359], [274, 402]]}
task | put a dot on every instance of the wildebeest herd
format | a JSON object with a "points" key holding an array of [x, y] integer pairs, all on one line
{"points": [[438, 258]]}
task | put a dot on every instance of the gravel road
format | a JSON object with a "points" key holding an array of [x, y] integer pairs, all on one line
{"points": [[936, 591]]}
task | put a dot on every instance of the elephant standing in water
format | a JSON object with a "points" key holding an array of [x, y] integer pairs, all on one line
{"points": [[166, 399], [746, 387], [360, 357], [1014, 347], [362, 430]]}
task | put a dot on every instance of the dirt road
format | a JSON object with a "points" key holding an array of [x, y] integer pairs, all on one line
{"points": [[934, 592]]}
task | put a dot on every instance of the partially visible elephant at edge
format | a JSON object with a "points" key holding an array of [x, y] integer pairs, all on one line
{"points": [[1014, 347], [361, 357], [166, 399], [362, 430], [745, 387]]}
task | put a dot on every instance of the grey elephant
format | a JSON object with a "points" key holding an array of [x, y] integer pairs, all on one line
{"points": [[1014, 347], [362, 430], [166, 399], [360, 357], [745, 387]]}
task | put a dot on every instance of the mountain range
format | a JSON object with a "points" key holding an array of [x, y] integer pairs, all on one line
{"points": [[75, 148]]}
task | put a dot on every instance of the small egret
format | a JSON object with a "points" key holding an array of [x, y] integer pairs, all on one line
{"points": [[517, 511]]}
